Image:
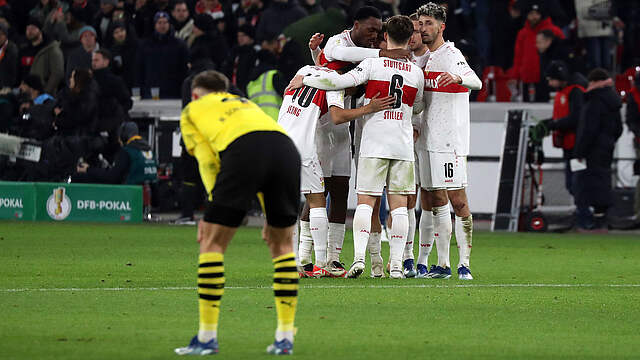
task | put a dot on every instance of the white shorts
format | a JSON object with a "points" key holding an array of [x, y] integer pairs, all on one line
{"points": [[442, 171], [334, 151], [374, 173], [311, 179], [416, 168]]}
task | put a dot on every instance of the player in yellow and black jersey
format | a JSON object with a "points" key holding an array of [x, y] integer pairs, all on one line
{"points": [[241, 151]]}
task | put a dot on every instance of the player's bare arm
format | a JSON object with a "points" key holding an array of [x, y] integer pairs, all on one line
{"points": [[376, 104]]}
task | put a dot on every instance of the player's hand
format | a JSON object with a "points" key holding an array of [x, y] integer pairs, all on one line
{"points": [[295, 83], [396, 54], [381, 103], [315, 41], [445, 79]]}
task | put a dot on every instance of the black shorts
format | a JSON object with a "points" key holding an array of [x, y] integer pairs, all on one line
{"points": [[261, 161]]}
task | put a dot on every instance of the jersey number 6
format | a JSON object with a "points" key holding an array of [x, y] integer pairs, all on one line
{"points": [[395, 89]]}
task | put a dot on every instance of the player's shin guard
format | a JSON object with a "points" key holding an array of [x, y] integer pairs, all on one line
{"points": [[336, 240], [426, 236], [464, 233], [210, 290], [306, 243], [442, 233], [319, 226], [398, 235], [408, 247], [361, 229], [285, 289]]}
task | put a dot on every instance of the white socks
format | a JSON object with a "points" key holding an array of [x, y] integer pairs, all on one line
{"points": [[361, 229], [319, 226], [442, 233], [294, 241], [408, 247], [281, 335], [426, 236], [464, 233], [306, 243], [398, 235], [336, 239], [374, 246], [204, 336]]}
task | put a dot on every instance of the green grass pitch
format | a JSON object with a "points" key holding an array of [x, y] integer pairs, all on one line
{"points": [[84, 291]]}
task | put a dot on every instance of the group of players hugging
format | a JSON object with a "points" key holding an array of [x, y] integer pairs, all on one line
{"points": [[407, 93]]}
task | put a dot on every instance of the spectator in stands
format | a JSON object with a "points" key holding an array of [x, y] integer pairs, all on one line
{"points": [[42, 57], [76, 111], [596, 22], [134, 163], [85, 10], [120, 17], [8, 59], [205, 43], [549, 49], [80, 57], [599, 128], [312, 6], [278, 15], [249, 12], [145, 15], [266, 84], [103, 19], [123, 51], [526, 62], [64, 27], [45, 8], [37, 124], [181, 20], [243, 57], [163, 54], [633, 123], [221, 13], [114, 101]]}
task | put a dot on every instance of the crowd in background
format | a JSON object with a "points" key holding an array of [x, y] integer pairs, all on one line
{"points": [[69, 68]]}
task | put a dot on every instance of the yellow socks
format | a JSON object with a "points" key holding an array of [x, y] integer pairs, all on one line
{"points": [[210, 290], [285, 288]]}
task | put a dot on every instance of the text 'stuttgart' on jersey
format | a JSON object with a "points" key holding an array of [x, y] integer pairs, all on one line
{"points": [[445, 125], [300, 111], [386, 134]]}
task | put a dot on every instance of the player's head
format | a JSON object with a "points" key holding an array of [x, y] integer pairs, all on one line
{"points": [[557, 74], [399, 31], [381, 42], [366, 26], [208, 81], [416, 39], [432, 19]]}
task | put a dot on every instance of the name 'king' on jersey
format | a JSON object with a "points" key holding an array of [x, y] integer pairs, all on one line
{"points": [[301, 108], [445, 125]]}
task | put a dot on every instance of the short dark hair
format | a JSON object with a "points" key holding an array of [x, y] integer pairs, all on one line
{"points": [[105, 53], [366, 12], [399, 28], [177, 2], [598, 74], [433, 10], [547, 33], [210, 80]]}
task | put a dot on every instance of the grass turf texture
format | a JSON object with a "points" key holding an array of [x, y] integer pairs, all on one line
{"points": [[337, 318]]}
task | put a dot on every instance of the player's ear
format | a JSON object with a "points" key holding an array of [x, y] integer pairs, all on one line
{"points": [[386, 37], [194, 95]]}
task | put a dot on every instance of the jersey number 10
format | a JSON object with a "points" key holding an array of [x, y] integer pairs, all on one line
{"points": [[306, 96]]}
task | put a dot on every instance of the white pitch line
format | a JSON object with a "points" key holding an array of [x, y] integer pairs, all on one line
{"points": [[170, 288]]}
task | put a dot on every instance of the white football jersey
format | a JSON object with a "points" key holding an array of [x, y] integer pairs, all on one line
{"points": [[421, 60], [387, 134], [445, 125], [301, 108]]}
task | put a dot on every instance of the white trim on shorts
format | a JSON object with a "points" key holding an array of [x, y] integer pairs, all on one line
{"points": [[374, 173], [311, 178]]}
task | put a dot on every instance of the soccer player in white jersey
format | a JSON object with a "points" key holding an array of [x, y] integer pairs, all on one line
{"points": [[334, 141], [443, 146], [301, 109], [386, 151], [419, 56]]}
